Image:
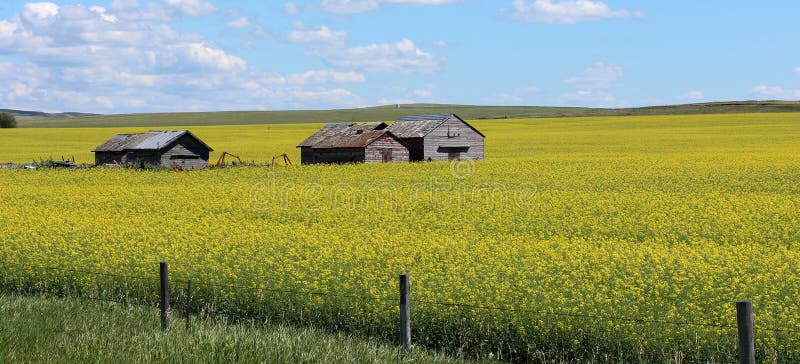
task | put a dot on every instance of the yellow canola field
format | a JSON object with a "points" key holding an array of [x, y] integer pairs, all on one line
{"points": [[592, 238]]}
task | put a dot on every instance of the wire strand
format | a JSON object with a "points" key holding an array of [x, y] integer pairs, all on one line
{"points": [[377, 299]]}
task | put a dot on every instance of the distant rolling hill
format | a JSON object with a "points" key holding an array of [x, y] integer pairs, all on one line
{"points": [[390, 112], [23, 115]]}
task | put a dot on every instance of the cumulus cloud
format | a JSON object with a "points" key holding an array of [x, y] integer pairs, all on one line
{"points": [[125, 56], [362, 6], [92, 59], [316, 77], [599, 75], [402, 56], [210, 58], [192, 7], [291, 8], [565, 11], [239, 23], [162, 11], [39, 14], [769, 91], [105, 101], [74, 36], [322, 34]]}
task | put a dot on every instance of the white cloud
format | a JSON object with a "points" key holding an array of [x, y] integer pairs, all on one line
{"points": [[599, 75], [7, 29], [422, 93], [105, 101], [315, 77], [75, 36], [440, 44], [18, 90], [349, 6], [192, 7], [103, 15], [128, 79], [122, 57], [769, 91], [797, 70], [212, 58], [565, 11], [239, 23], [402, 56], [291, 8], [591, 98], [322, 34], [168, 10], [695, 95], [362, 6], [39, 14], [118, 5], [336, 95]]}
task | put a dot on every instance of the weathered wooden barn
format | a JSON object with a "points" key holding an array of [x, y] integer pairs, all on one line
{"points": [[439, 137], [353, 142], [178, 149]]}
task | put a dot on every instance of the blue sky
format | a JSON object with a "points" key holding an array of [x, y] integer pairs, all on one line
{"points": [[121, 56]]}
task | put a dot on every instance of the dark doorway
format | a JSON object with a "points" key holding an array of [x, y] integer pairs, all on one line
{"points": [[387, 155], [453, 153]]}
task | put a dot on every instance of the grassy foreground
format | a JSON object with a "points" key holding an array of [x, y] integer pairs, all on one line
{"points": [[37, 329]]}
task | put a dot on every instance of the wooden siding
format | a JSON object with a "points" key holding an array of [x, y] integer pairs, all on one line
{"points": [[373, 153], [185, 153], [139, 157], [101, 158], [310, 155], [453, 136]]}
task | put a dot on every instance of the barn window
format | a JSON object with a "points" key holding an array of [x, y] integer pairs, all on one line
{"points": [[184, 157]]}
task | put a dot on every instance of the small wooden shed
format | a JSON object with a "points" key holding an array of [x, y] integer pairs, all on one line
{"points": [[439, 137], [353, 142], [177, 148]]}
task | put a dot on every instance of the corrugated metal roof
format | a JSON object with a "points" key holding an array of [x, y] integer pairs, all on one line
{"points": [[417, 126], [345, 135], [421, 125], [413, 128], [152, 140], [119, 142], [439, 117], [158, 139]]}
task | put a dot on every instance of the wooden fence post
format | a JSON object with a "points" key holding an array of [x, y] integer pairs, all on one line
{"points": [[747, 343], [405, 313], [187, 309], [164, 294]]}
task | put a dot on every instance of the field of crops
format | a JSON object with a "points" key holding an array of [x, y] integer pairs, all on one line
{"points": [[578, 238]]}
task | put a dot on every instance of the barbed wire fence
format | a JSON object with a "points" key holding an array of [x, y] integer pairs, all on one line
{"points": [[259, 304]]}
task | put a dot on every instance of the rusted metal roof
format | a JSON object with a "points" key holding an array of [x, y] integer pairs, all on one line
{"points": [[152, 140], [421, 125], [345, 135]]}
